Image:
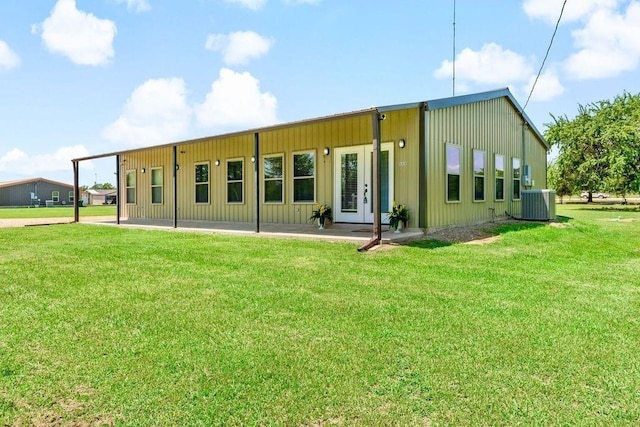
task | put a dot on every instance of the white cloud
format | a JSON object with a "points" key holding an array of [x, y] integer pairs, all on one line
{"points": [[547, 87], [81, 36], [18, 162], [492, 64], [251, 4], [8, 58], [156, 112], [608, 44], [549, 10], [239, 47], [236, 102], [136, 5]]}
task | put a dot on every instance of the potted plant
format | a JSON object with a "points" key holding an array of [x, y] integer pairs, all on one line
{"points": [[322, 213], [398, 216]]}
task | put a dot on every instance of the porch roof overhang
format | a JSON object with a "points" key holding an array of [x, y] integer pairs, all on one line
{"points": [[252, 131]]}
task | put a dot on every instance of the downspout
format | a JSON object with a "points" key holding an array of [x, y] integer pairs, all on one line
{"points": [[256, 170], [376, 117], [118, 190], [76, 192]]}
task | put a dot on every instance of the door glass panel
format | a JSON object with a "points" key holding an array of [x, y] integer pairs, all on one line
{"points": [[384, 182], [349, 182]]}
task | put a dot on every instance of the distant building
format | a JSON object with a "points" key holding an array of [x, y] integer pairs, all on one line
{"points": [[36, 192], [99, 197]]}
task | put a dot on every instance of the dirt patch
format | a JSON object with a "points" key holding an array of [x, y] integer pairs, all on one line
{"points": [[484, 241], [476, 234]]}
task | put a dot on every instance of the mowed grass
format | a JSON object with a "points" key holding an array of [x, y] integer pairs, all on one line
{"points": [[56, 212], [102, 325]]}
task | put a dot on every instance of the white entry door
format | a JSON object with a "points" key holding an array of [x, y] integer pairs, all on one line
{"points": [[354, 183]]}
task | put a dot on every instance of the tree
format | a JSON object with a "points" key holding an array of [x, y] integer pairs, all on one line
{"points": [[105, 186], [560, 180], [600, 148]]}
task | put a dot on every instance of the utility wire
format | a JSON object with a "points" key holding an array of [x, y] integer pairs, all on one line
{"points": [[545, 56]]}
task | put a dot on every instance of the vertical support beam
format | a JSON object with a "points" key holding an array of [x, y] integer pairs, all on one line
{"points": [[376, 117], [76, 192], [176, 166], [422, 167], [118, 190], [256, 170], [377, 194]]}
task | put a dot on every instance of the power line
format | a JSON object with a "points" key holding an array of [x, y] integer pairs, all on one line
{"points": [[546, 55]]}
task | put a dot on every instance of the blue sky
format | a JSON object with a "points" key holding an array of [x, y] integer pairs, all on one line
{"points": [[85, 77]]}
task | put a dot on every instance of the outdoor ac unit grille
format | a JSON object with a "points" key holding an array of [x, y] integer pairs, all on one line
{"points": [[538, 205]]}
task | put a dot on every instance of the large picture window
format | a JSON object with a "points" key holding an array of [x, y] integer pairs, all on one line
{"points": [[273, 176], [130, 182], [157, 186], [453, 173], [499, 177], [235, 181], [479, 167], [202, 182], [516, 178], [304, 177]]}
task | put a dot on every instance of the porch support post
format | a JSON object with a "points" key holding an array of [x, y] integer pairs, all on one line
{"points": [[175, 186], [376, 117], [256, 170], [76, 192], [422, 167], [118, 190]]}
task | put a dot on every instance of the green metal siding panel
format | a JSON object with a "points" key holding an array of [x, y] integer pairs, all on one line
{"points": [[492, 126]]}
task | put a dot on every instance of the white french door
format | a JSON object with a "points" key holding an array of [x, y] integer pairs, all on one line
{"points": [[354, 183]]}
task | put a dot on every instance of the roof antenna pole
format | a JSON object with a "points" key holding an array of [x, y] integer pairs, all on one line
{"points": [[454, 48]]}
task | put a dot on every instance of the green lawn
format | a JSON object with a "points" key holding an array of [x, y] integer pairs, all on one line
{"points": [[102, 325], [56, 212]]}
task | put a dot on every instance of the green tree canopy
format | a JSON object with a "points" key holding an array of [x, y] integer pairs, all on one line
{"points": [[599, 150], [105, 186]]}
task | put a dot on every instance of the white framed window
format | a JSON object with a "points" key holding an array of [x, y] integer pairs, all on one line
{"points": [[202, 182], [499, 177], [157, 186], [516, 178], [235, 181], [453, 158], [130, 184], [304, 177], [55, 196], [273, 178], [479, 171], [72, 196]]}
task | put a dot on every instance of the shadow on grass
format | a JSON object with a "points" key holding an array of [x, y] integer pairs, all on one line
{"points": [[428, 244]]}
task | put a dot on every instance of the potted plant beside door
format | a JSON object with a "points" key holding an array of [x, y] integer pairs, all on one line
{"points": [[398, 217], [322, 213]]}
